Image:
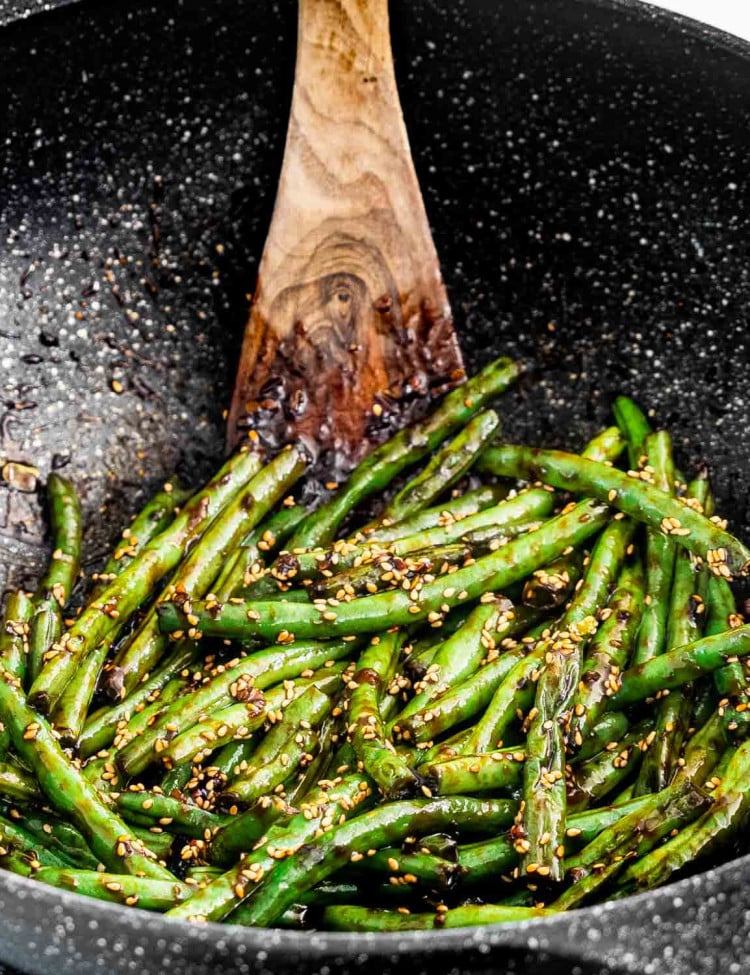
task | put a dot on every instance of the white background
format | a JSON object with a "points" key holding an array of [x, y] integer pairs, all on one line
{"points": [[730, 15]]}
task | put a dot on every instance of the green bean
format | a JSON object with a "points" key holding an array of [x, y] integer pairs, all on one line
{"points": [[635, 427], [57, 584], [229, 761], [730, 681], [102, 726], [671, 723], [514, 695], [427, 868], [15, 783], [461, 654], [375, 669], [727, 814], [44, 633], [611, 727], [69, 715], [420, 654], [56, 835], [487, 860], [487, 771], [136, 583], [156, 839], [633, 835], [199, 569], [66, 523], [447, 512], [490, 859], [175, 779], [249, 828], [721, 769], [14, 634], [281, 752], [233, 682], [387, 572], [16, 843], [725, 555], [624, 795], [660, 557], [236, 722], [190, 819], [605, 446], [239, 721], [202, 873], [223, 895], [422, 635], [385, 825], [445, 467], [325, 762], [309, 707], [601, 775], [145, 713], [609, 652], [704, 702], [703, 751], [544, 770], [263, 539], [146, 893], [470, 696], [680, 666], [152, 519], [683, 626], [343, 917], [551, 586], [442, 751], [102, 774], [469, 774], [66, 789], [23, 863], [263, 781], [492, 572], [737, 723], [441, 843], [406, 448], [509, 518]]}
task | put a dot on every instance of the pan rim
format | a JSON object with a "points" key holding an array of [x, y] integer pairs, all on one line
{"points": [[716, 36], [320, 945]]}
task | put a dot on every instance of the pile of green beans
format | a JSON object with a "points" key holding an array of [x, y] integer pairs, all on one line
{"points": [[521, 688]]}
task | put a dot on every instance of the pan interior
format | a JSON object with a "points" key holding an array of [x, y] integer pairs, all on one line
{"points": [[584, 170]]}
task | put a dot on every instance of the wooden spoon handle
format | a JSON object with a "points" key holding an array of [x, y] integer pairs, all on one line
{"points": [[347, 163], [350, 312]]}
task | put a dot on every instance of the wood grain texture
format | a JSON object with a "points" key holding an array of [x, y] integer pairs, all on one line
{"points": [[350, 312]]}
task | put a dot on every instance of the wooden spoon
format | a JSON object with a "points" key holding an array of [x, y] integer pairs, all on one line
{"points": [[350, 329]]}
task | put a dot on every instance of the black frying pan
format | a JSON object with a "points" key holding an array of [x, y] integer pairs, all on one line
{"points": [[585, 168]]}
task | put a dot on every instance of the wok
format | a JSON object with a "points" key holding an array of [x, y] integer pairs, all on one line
{"points": [[584, 165]]}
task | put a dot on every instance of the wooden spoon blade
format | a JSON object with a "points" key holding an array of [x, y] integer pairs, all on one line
{"points": [[350, 332]]}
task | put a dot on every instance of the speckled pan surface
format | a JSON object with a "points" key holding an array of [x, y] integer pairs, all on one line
{"points": [[584, 165]]}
